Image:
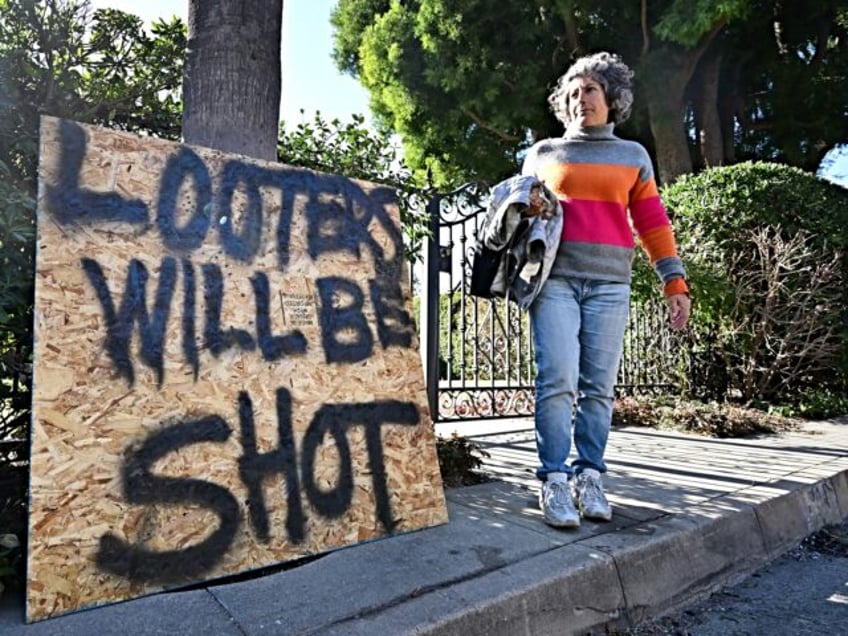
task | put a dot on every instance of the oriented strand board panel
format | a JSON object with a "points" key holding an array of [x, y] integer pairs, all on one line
{"points": [[226, 370]]}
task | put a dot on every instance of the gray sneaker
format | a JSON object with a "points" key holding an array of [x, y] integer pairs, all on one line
{"points": [[589, 493], [557, 503]]}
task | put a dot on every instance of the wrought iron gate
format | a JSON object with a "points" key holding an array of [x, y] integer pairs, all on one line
{"points": [[478, 353], [478, 359]]}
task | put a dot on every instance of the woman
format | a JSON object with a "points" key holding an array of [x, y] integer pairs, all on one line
{"points": [[604, 184]]}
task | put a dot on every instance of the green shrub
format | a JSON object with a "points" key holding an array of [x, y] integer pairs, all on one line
{"points": [[17, 250], [765, 251], [751, 194], [459, 459], [820, 403]]}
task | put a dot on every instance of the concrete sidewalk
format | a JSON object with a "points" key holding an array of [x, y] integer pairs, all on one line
{"points": [[690, 514]]}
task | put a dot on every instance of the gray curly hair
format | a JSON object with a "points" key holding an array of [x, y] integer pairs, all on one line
{"points": [[610, 72]]}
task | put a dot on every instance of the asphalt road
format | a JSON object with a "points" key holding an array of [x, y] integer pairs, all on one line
{"points": [[803, 593]]}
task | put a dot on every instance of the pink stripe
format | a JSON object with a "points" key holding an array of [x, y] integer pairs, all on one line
{"points": [[596, 222], [648, 214]]}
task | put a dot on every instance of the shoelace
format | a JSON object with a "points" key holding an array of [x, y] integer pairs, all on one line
{"points": [[560, 494], [591, 490]]}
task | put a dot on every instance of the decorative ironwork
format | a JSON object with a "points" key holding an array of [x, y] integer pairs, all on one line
{"points": [[485, 403], [485, 353], [654, 358], [479, 358]]}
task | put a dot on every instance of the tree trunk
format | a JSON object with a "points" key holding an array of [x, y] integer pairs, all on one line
{"points": [[665, 95], [667, 71], [731, 107], [233, 77], [672, 149], [706, 109]]}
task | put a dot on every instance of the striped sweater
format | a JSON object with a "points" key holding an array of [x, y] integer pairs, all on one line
{"points": [[598, 178]]}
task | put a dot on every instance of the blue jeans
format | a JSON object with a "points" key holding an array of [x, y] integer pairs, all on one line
{"points": [[578, 329]]}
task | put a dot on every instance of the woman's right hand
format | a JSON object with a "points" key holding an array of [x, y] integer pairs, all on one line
{"points": [[537, 204], [679, 307]]}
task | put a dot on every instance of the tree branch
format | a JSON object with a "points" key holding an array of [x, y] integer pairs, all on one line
{"points": [[784, 311], [485, 126]]}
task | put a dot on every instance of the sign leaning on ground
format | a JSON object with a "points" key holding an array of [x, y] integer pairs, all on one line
{"points": [[226, 370]]}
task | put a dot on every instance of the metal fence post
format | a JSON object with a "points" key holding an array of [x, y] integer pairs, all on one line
{"points": [[430, 310]]}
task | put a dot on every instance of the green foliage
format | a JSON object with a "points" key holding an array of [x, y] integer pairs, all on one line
{"points": [[356, 17], [816, 403], [764, 246], [500, 351], [16, 287], [465, 83], [457, 81], [793, 61], [713, 208], [459, 458], [350, 149], [645, 284], [451, 338], [17, 249], [59, 58], [686, 22]]}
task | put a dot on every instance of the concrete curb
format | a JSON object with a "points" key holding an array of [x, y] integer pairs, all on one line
{"points": [[617, 580]]}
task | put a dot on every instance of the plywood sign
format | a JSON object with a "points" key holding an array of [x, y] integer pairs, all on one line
{"points": [[226, 371]]}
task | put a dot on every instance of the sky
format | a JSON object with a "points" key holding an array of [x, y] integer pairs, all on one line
{"points": [[310, 79]]}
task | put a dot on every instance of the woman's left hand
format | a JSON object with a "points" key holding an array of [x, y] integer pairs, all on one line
{"points": [[678, 310]]}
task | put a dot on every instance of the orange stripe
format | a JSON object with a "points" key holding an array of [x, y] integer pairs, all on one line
{"points": [[645, 190], [659, 243], [592, 181], [675, 286]]}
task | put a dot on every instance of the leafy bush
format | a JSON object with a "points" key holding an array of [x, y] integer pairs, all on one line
{"points": [[765, 249], [17, 250], [60, 59], [459, 459], [820, 403], [752, 194]]}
